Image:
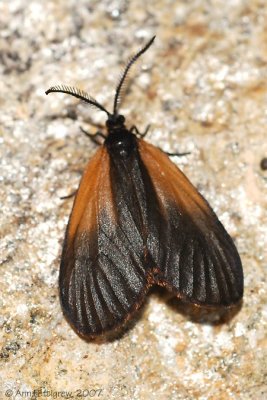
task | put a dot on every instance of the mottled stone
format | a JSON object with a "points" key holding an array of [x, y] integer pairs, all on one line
{"points": [[202, 86]]}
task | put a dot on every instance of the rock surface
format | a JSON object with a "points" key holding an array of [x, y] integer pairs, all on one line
{"points": [[202, 87]]}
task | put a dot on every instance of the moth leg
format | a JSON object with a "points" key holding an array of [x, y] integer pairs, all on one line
{"points": [[69, 196], [95, 137], [141, 135], [177, 154]]}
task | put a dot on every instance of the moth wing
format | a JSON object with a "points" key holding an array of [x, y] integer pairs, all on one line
{"points": [[196, 257], [102, 277]]}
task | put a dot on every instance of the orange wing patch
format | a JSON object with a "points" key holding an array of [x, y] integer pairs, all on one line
{"points": [[84, 214], [170, 182]]}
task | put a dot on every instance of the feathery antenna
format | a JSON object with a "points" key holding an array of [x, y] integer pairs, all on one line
{"points": [[80, 94], [128, 66]]}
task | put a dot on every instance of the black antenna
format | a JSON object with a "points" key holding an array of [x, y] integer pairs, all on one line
{"points": [[130, 63], [80, 94]]}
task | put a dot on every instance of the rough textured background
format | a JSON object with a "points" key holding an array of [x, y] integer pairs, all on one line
{"points": [[202, 86]]}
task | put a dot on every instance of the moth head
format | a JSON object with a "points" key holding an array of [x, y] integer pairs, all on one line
{"points": [[115, 121]]}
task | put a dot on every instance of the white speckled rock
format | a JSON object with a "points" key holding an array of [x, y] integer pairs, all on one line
{"points": [[202, 86]]}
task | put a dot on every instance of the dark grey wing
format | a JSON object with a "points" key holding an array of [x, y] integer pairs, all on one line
{"points": [[103, 277], [195, 256]]}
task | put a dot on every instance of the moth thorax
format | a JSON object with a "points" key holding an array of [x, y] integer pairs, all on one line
{"points": [[121, 143]]}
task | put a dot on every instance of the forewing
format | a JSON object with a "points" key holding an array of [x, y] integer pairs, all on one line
{"points": [[196, 257], [102, 275]]}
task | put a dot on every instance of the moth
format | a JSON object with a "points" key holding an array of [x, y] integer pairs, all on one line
{"points": [[137, 221]]}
